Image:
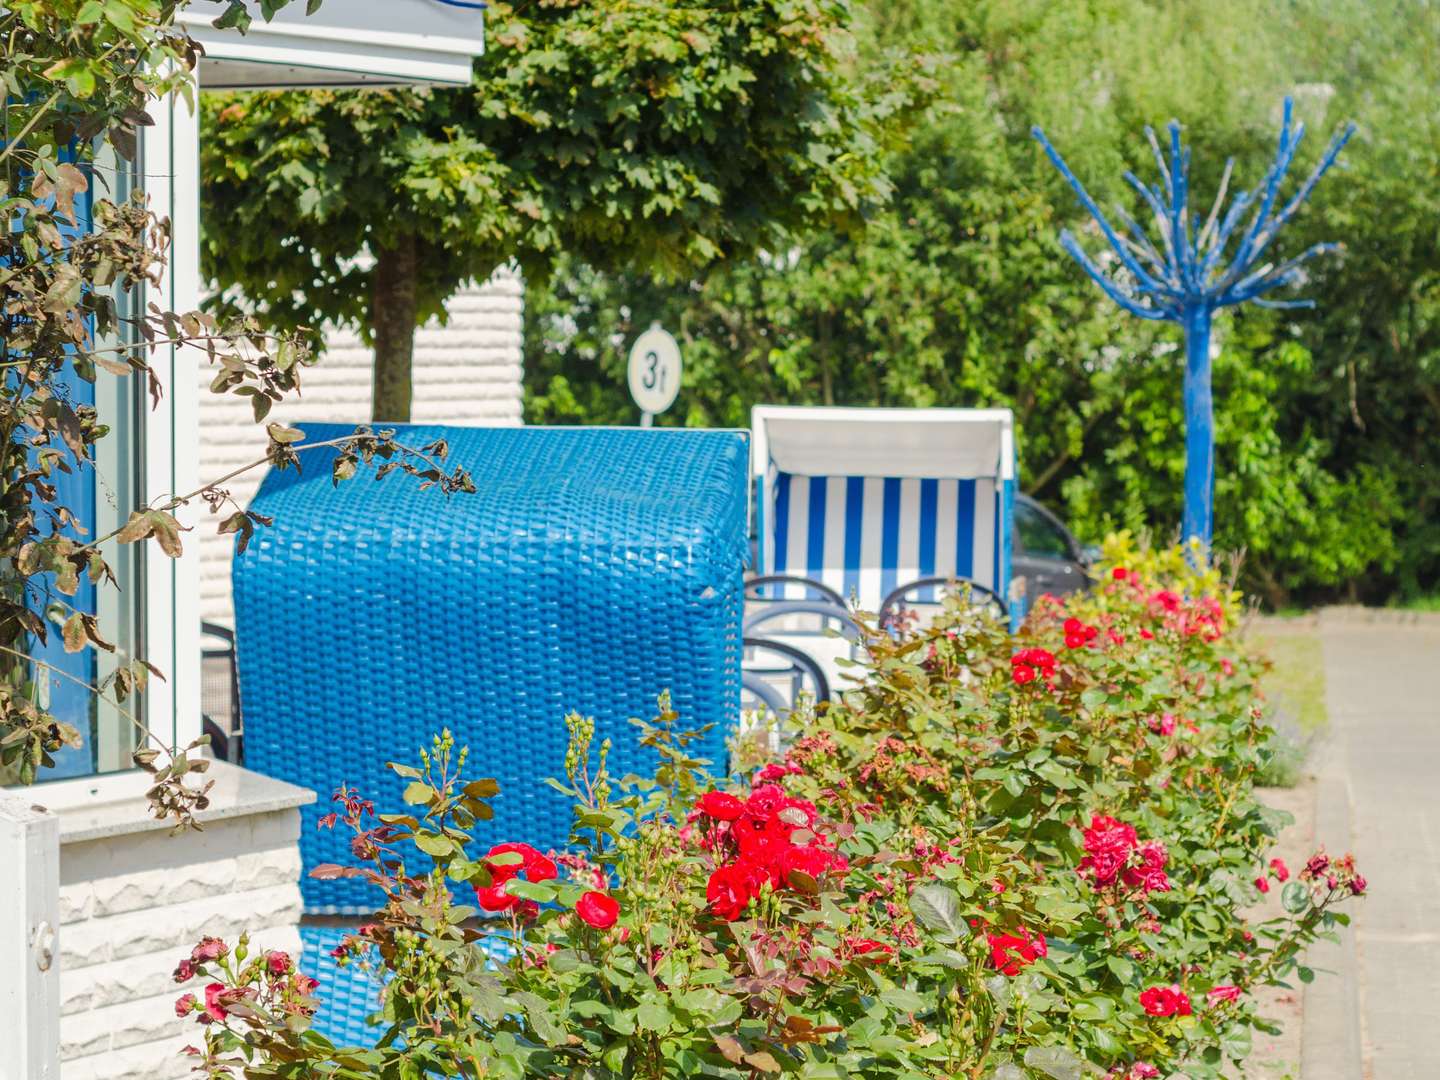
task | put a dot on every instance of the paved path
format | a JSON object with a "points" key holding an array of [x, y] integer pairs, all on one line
{"points": [[1379, 795]]}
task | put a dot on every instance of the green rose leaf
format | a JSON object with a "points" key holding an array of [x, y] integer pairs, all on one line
{"points": [[937, 908], [542, 892], [653, 1016], [538, 1013], [1295, 897], [1059, 1062], [435, 845]]}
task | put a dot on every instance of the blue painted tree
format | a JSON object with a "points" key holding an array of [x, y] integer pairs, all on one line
{"points": [[1186, 278]]}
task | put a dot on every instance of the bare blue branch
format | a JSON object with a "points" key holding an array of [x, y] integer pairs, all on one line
{"points": [[1185, 277]]}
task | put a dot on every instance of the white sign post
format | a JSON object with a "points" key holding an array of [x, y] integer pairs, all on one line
{"points": [[654, 373]]}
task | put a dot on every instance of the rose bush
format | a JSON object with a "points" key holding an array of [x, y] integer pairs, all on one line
{"points": [[998, 856]]}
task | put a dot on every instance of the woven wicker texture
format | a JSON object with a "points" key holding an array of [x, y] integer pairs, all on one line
{"points": [[593, 569], [347, 995]]}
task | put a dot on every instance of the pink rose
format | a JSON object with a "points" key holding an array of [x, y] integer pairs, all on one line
{"points": [[1216, 994], [214, 1001], [210, 948]]}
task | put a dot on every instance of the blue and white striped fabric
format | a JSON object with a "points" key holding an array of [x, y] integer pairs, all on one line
{"points": [[864, 536]]}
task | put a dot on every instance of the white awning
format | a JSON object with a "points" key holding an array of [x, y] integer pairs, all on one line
{"points": [[345, 43], [945, 444]]}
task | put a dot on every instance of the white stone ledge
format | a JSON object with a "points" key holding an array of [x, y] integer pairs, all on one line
{"points": [[106, 806]]}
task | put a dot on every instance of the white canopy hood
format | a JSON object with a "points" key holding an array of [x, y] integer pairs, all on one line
{"points": [[345, 43], [945, 444]]}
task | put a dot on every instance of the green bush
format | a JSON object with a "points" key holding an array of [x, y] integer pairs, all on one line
{"points": [[998, 857]]}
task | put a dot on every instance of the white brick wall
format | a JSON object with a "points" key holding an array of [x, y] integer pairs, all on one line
{"points": [[467, 372], [131, 906]]}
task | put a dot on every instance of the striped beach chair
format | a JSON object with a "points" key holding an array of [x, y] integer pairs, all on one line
{"points": [[869, 501]]}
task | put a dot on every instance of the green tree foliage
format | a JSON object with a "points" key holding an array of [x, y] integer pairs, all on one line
{"points": [[1328, 467], [628, 133]]}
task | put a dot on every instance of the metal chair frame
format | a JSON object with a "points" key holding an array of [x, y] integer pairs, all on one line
{"points": [[801, 663], [893, 600]]}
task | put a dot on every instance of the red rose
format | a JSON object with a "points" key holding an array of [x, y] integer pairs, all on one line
{"points": [[1108, 844], [1118, 573], [1074, 641], [277, 962], [1262, 884], [778, 770], [1043, 659], [731, 888], [1010, 952], [720, 806], [766, 800], [1165, 1001], [1072, 625], [533, 865], [1166, 600], [184, 971], [185, 1005], [1358, 885], [1217, 994], [536, 867], [799, 813], [808, 859], [1022, 674], [876, 950], [1150, 874], [495, 898], [1279, 869], [762, 840], [598, 909]]}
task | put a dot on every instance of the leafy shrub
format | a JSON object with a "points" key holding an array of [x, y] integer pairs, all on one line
{"points": [[998, 857]]}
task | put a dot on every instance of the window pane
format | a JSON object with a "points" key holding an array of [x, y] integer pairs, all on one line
{"points": [[102, 499], [1038, 535]]}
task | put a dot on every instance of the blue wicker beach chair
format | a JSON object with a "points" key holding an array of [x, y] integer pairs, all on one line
{"points": [[883, 505], [348, 996], [594, 569]]}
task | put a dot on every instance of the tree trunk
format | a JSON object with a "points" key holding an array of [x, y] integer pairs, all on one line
{"points": [[827, 378], [394, 305], [1199, 429]]}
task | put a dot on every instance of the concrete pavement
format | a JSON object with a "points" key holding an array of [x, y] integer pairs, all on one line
{"points": [[1379, 795]]}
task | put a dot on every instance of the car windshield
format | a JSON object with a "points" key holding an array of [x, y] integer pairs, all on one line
{"points": [[1039, 536]]}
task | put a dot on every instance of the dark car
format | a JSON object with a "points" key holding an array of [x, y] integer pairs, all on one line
{"points": [[1045, 553]]}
